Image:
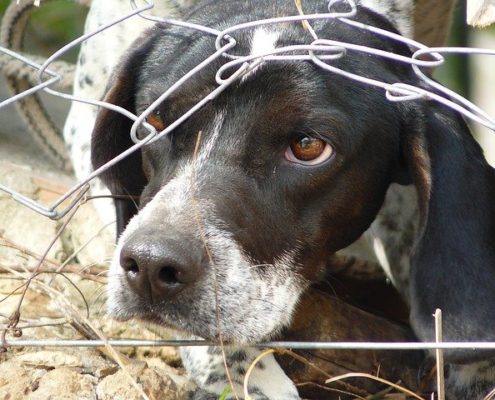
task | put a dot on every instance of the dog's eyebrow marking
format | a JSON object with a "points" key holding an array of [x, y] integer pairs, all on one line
{"points": [[263, 41]]}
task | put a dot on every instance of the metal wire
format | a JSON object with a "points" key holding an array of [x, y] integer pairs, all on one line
{"points": [[54, 78], [276, 344], [321, 52]]}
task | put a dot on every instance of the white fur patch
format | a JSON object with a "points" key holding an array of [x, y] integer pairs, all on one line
{"points": [[272, 381], [205, 366], [392, 234], [263, 41]]}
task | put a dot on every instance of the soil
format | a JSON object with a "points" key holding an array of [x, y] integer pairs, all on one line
{"points": [[69, 303]]}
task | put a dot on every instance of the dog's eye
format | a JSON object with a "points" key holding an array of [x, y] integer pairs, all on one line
{"points": [[308, 150], [155, 119]]}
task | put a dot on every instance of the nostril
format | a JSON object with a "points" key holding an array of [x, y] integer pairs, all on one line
{"points": [[168, 276], [130, 266]]}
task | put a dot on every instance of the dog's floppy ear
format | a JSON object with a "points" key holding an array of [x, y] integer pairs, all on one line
{"points": [[111, 133], [453, 263]]}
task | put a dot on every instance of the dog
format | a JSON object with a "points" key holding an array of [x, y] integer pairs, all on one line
{"points": [[242, 204]]}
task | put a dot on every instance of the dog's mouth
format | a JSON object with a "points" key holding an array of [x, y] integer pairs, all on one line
{"points": [[236, 312], [187, 329]]}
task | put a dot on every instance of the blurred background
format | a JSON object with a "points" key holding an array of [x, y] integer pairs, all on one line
{"points": [[472, 76], [50, 26]]}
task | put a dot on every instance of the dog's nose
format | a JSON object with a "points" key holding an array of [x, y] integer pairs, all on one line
{"points": [[158, 267]]}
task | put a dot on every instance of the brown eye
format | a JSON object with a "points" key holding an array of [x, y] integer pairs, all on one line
{"points": [[308, 150], [155, 119]]}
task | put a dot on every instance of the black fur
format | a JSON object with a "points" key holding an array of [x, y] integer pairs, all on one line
{"points": [[376, 142]]}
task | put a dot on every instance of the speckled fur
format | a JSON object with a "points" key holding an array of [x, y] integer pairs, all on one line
{"points": [[267, 381]]}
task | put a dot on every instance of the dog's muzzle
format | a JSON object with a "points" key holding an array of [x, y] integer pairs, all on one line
{"points": [[158, 265]]}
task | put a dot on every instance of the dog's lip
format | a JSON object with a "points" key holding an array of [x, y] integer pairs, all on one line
{"points": [[158, 319], [161, 321], [148, 317], [179, 331]]}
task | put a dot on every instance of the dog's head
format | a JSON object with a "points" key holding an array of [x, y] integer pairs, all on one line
{"points": [[241, 205]]}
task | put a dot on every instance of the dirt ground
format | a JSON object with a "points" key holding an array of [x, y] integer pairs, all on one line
{"points": [[65, 300]]}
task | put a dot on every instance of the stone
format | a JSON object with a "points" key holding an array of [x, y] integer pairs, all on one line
{"points": [[17, 381], [49, 359], [119, 387], [65, 384]]}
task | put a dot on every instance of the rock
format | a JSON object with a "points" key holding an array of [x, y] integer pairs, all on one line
{"points": [[156, 386], [17, 381], [49, 359], [163, 368], [21, 224], [64, 384], [34, 231]]}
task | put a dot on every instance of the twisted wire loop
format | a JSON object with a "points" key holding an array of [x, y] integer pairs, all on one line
{"points": [[321, 51]]}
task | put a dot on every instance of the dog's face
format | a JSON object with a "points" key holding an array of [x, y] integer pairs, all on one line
{"points": [[242, 204]]}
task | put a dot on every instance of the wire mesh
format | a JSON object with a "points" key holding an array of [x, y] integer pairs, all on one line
{"points": [[320, 51]]}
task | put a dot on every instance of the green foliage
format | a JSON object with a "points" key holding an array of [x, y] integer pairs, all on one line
{"points": [[225, 393], [52, 25], [3, 5], [455, 72], [55, 24]]}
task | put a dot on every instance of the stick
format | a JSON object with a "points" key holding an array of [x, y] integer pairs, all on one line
{"points": [[439, 355]]}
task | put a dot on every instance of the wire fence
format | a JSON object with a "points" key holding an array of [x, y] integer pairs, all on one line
{"points": [[320, 51]]}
